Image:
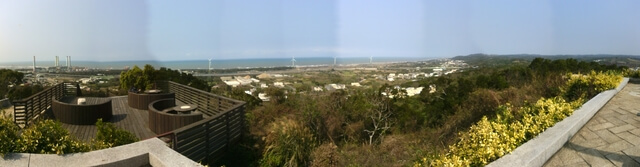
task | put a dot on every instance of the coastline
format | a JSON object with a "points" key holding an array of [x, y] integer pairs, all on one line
{"points": [[220, 64]]}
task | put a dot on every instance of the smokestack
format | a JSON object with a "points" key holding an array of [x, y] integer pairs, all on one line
{"points": [[34, 64]]}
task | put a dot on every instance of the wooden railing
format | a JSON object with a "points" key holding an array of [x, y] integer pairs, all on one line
{"points": [[66, 110], [29, 109], [207, 139], [162, 117]]}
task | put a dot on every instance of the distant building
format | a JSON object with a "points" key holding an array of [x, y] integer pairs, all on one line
{"points": [[264, 76], [278, 84], [85, 80], [232, 83], [250, 91], [264, 97], [355, 84], [244, 81], [226, 78], [317, 88], [391, 77], [411, 91], [432, 88], [331, 87]]}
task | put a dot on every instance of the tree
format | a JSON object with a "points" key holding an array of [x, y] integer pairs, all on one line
{"points": [[380, 115], [135, 79], [20, 92], [9, 77], [150, 74], [276, 95]]}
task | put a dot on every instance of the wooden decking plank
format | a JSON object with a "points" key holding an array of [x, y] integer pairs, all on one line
{"points": [[134, 121]]}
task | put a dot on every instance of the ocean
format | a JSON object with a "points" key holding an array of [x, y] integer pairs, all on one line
{"points": [[215, 64]]}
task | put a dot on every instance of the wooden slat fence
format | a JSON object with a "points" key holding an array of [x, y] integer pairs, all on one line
{"points": [[29, 109], [206, 140]]}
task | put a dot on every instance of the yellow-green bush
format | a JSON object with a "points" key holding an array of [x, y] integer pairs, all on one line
{"points": [[587, 86], [490, 139], [8, 136], [631, 73], [48, 137], [108, 135]]}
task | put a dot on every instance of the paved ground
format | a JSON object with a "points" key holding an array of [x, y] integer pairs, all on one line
{"points": [[610, 138]]}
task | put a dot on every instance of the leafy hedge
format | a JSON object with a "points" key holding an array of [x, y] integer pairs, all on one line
{"points": [[49, 137], [112, 136], [8, 136], [490, 139], [586, 86]]}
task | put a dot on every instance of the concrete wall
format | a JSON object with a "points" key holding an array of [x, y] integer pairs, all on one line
{"points": [[152, 152], [537, 151]]}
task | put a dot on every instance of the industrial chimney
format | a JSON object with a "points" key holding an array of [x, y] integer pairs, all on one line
{"points": [[34, 64], [69, 63]]}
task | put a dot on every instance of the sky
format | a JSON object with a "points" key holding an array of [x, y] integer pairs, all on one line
{"points": [[124, 30]]}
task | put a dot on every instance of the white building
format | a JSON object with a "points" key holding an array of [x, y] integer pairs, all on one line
{"points": [[264, 97], [244, 81], [85, 80], [232, 83], [411, 91], [331, 87], [278, 84], [317, 88]]}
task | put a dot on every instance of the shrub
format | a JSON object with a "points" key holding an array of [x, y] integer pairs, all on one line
{"points": [[48, 137], [587, 86], [8, 136], [325, 155], [110, 136], [488, 140], [288, 143]]}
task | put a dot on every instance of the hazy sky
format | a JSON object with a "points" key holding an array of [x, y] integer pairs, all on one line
{"points": [[118, 30]]}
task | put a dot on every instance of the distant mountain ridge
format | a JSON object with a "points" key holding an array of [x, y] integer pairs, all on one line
{"points": [[498, 60]]}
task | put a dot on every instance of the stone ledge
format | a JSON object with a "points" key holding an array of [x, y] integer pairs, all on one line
{"points": [[152, 152], [538, 150]]}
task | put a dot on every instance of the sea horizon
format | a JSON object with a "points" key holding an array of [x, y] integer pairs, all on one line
{"points": [[215, 63]]}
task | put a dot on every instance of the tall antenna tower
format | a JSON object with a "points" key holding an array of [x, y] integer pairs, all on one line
{"points": [[293, 61], [210, 65]]}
